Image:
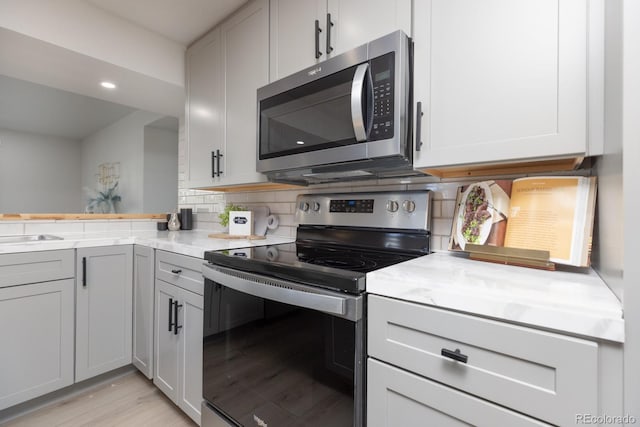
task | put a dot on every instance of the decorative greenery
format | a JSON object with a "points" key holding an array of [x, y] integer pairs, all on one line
{"points": [[224, 216], [104, 201]]}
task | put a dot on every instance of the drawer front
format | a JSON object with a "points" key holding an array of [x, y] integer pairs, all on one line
{"points": [[180, 270], [546, 375], [399, 398], [33, 267]]}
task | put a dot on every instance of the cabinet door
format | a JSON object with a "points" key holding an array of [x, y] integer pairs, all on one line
{"points": [[356, 22], [166, 341], [500, 80], [292, 35], [104, 298], [143, 294], [399, 398], [204, 109], [190, 353], [37, 335], [245, 41]]}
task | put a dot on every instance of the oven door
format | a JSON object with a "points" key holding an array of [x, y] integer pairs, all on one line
{"points": [[278, 353]]}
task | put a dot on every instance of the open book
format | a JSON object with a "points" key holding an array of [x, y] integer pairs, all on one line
{"points": [[553, 213]]}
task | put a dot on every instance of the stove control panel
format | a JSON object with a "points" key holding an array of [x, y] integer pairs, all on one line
{"points": [[351, 205], [384, 209]]}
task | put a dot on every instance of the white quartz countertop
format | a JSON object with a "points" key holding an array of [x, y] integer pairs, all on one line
{"points": [[572, 302], [192, 243]]}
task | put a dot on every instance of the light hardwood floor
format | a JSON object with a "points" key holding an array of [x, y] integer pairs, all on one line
{"points": [[131, 400]]}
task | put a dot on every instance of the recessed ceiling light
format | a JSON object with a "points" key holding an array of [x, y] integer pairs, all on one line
{"points": [[108, 85]]}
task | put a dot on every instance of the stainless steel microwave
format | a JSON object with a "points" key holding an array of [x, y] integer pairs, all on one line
{"points": [[348, 117]]}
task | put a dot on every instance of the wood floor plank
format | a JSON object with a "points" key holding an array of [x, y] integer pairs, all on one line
{"points": [[131, 400]]}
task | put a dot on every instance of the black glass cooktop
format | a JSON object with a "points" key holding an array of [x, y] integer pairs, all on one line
{"points": [[335, 268]]}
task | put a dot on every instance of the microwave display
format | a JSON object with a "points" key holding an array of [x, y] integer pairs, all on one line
{"points": [[384, 75]]}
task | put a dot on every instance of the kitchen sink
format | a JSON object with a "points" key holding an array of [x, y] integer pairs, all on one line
{"points": [[28, 238]]}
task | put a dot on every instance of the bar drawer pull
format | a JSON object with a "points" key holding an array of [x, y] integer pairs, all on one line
{"points": [[176, 271], [84, 271], [176, 306], [455, 355]]}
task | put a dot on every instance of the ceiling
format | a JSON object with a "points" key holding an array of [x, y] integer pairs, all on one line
{"points": [[182, 21], [65, 99], [30, 107]]}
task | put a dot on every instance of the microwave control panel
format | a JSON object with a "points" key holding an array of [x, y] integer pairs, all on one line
{"points": [[382, 76]]}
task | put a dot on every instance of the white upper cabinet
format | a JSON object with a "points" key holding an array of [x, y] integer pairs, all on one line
{"points": [[224, 70], [293, 35], [503, 80], [308, 31], [356, 22], [245, 41], [204, 109]]}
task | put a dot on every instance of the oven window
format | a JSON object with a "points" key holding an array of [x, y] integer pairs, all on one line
{"points": [[282, 364], [311, 117]]}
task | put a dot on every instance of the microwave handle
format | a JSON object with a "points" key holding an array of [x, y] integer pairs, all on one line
{"points": [[359, 79]]}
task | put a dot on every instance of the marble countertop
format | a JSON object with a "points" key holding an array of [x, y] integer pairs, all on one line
{"points": [[192, 243], [571, 302]]}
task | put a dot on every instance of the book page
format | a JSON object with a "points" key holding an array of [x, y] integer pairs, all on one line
{"points": [[542, 215]]}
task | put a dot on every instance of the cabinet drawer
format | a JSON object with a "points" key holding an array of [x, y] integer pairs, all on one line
{"points": [[399, 398], [180, 270], [33, 267], [546, 375]]}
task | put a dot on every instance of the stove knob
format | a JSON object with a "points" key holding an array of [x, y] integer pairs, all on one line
{"points": [[315, 206], [304, 206], [392, 206], [409, 206]]}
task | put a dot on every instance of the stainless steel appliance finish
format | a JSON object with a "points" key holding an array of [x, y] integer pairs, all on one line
{"points": [[284, 334], [346, 118], [400, 210]]}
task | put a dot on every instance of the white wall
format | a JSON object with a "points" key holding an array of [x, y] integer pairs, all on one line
{"points": [[631, 177], [123, 142], [160, 170], [608, 251], [39, 173]]}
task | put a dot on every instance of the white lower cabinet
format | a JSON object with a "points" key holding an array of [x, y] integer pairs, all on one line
{"points": [[429, 366], [37, 336], [398, 398], [178, 337], [143, 294], [104, 298]]}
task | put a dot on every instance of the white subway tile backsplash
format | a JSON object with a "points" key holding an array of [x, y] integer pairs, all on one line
{"points": [[143, 225], [96, 226], [286, 221], [119, 225], [448, 208], [53, 227], [287, 196], [11, 228], [441, 226], [436, 208], [261, 196]]}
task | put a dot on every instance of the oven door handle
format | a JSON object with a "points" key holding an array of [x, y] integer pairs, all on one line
{"points": [[257, 286], [357, 86]]}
